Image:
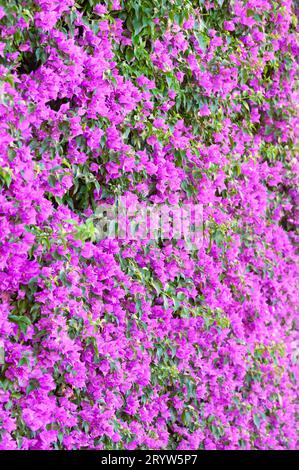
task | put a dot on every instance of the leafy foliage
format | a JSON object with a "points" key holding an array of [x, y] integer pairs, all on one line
{"points": [[122, 344]]}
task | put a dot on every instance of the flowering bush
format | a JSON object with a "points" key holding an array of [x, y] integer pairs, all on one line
{"points": [[146, 344]]}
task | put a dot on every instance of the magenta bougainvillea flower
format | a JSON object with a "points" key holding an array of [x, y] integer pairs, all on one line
{"points": [[148, 342]]}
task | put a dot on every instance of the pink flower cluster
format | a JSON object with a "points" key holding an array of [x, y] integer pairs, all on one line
{"points": [[109, 344]]}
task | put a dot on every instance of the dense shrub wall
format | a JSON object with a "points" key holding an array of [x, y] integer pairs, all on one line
{"points": [[114, 344]]}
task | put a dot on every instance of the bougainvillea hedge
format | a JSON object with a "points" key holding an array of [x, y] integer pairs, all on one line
{"points": [[146, 344]]}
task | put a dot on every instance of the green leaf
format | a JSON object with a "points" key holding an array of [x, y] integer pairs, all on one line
{"points": [[256, 420], [21, 320], [6, 175], [186, 418]]}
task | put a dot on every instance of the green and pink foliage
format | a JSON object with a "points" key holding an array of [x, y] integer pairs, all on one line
{"points": [[146, 344]]}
